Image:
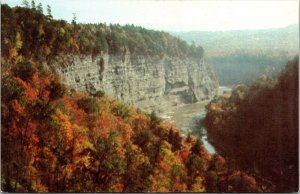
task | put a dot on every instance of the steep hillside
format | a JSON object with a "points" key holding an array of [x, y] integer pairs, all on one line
{"points": [[243, 55], [55, 141], [258, 127]]}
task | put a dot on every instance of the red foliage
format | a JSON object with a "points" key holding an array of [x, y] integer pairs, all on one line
{"points": [[119, 187], [164, 166], [250, 179], [184, 154], [17, 107]]}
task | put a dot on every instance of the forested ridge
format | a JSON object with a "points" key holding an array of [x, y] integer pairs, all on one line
{"points": [[257, 126], [29, 33], [57, 140]]}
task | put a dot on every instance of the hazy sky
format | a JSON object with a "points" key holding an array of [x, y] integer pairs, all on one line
{"points": [[177, 15]]}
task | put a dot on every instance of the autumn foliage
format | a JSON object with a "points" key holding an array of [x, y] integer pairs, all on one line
{"points": [[53, 139], [58, 140]]}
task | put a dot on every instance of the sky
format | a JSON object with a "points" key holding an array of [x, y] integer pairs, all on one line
{"points": [[178, 15]]}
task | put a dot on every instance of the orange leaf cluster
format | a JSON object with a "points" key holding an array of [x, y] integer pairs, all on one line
{"points": [[17, 107]]}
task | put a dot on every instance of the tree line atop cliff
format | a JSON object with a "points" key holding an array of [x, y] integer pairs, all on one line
{"points": [[258, 126], [27, 32]]}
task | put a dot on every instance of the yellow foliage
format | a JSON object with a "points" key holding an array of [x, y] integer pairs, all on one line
{"points": [[19, 41], [198, 185], [85, 160], [68, 170], [82, 142], [62, 31], [38, 186], [41, 30], [125, 130], [65, 125], [159, 182], [216, 107], [226, 95], [6, 40]]}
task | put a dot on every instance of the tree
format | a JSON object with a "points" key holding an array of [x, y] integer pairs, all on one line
{"points": [[197, 147], [89, 105], [49, 14], [40, 8], [25, 70], [155, 120], [175, 139], [138, 170], [211, 181], [111, 166], [142, 138], [74, 19], [189, 138], [25, 3], [195, 167], [33, 4]]}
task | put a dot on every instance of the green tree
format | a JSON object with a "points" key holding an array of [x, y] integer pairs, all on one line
{"points": [[25, 3], [33, 4], [25, 70], [196, 148], [195, 166], [142, 139], [89, 105], [74, 20], [49, 14], [138, 170], [175, 139], [112, 165], [40, 8]]}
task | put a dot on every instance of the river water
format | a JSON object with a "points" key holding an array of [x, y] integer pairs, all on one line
{"points": [[188, 118]]}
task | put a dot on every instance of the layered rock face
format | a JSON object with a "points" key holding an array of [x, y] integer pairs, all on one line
{"points": [[150, 83]]}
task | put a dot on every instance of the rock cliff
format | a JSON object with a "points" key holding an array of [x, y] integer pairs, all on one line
{"points": [[150, 83]]}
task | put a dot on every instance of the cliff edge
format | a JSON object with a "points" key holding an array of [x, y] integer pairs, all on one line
{"points": [[152, 83]]}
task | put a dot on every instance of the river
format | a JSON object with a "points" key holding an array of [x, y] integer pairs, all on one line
{"points": [[188, 119]]}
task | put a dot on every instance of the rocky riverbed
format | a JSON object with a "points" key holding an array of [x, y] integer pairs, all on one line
{"points": [[188, 118]]}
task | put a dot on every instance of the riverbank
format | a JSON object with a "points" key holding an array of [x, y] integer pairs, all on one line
{"points": [[188, 119]]}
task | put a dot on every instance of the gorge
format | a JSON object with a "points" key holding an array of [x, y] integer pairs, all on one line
{"points": [[96, 107]]}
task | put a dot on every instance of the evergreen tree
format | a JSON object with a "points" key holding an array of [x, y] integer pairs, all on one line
{"points": [[49, 14], [33, 4], [196, 147], [74, 19], [25, 3], [40, 8]]}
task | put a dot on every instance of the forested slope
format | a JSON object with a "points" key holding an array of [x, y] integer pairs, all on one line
{"points": [[258, 127]]}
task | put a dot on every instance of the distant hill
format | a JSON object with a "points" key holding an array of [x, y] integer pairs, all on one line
{"points": [[243, 55]]}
